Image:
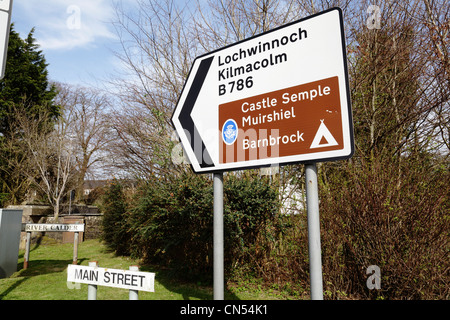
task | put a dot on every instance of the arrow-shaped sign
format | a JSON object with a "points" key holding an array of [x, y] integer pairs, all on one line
{"points": [[276, 98], [196, 143]]}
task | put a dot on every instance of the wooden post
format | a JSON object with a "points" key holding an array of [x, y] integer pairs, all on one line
{"points": [[75, 248], [26, 258]]}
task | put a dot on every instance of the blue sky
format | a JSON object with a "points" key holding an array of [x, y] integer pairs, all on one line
{"points": [[76, 37]]}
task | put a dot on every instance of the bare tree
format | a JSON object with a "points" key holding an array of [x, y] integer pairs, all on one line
{"points": [[160, 40], [157, 52], [49, 153], [434, 27], [85, 110]]}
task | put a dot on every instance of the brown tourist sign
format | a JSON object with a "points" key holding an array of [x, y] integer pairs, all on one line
{"points": [[300, 119]]}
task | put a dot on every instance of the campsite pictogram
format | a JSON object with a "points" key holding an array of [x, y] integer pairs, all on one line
{"points": [[323, 133]]}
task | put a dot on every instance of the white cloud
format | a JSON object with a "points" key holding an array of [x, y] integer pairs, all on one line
{"points": [[68, 24]]}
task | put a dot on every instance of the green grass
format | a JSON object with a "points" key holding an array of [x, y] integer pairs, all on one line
{"points": [[46, 278]]}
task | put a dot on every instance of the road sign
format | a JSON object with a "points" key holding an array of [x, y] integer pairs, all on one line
{"points": [[125, 279], [5, 21], [276, 98], [53, 227]]}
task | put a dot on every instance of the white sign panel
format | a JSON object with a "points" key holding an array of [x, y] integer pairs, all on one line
{"points": [[125, 279], [60, 227], [276, 98], [5, 20], [5, 5]]}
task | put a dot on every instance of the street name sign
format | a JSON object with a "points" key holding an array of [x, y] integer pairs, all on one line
{"points": [[5, 21], [277, 98], [53, 227], [125, 279]]}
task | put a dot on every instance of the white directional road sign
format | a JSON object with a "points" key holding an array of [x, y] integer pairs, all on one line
{"points": [[5, 20], [276, 98]]}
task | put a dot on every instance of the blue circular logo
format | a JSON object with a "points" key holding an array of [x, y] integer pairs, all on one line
{"points": [[229, 131]]}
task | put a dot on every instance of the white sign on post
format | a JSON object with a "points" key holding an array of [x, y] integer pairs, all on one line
{"points": [[276, 98], [5, 21], [53, 227], [125, 279]]}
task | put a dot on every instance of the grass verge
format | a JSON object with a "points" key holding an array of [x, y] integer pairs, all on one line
{"points": [[45, 278]]}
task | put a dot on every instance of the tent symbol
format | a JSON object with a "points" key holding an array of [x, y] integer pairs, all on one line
{"points": [[323, 133]]}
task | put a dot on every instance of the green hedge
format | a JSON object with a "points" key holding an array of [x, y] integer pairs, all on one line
{"points": [[170, 222], [115, 205]]}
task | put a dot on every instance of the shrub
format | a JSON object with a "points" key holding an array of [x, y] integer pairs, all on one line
{"points": [[251, 205], [114, 223], [389, 213], [170, 222], [395, 216]]}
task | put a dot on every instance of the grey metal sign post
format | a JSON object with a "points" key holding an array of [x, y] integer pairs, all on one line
{"points": [[92, 288], [133, 294], [218, 272], [314, 248]]}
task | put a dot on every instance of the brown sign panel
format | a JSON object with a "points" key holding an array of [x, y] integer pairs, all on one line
{"points": [[297, 120]]}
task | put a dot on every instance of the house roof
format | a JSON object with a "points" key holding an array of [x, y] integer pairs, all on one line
{"points": [[92, 184]]}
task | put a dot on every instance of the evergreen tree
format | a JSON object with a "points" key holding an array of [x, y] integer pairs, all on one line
{"points": [[24, 87], [26, 81]]}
